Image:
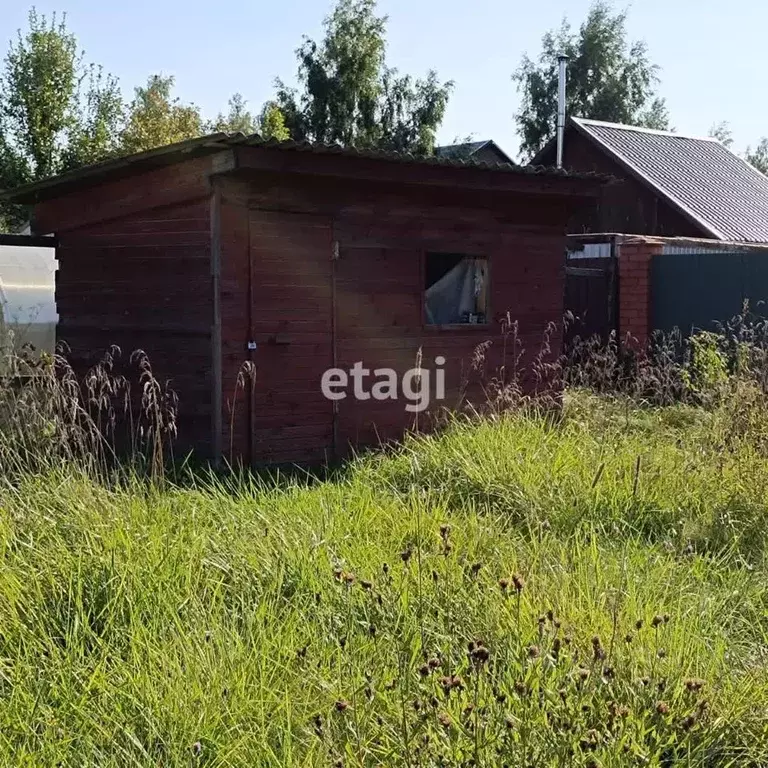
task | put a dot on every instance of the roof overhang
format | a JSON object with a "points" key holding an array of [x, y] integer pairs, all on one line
{"points": [[236, 152], [364, 167], [54, 186]]}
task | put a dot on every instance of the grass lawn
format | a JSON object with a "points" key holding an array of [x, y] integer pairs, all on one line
{"points": [[587, 590]]}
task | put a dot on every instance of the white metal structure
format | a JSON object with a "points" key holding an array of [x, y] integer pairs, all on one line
{"points": [[28, 314]]}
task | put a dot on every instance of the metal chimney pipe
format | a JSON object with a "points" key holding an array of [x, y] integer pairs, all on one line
{"points": [[562, 61]]}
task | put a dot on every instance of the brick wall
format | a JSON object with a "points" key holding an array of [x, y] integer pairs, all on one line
{"points": [[635, 256]]}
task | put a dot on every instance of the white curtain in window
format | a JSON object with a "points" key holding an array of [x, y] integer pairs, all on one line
{"points": [[455, 294]]}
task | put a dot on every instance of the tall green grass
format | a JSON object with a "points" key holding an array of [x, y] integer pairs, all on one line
{"points": [[285, 622], [679, 475]]}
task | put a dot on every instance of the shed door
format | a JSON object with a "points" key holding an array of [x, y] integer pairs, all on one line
{"points": [[378, 306], [291, 258]]}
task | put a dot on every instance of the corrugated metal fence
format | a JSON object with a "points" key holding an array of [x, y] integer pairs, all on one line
{"points": [[698, 290]]}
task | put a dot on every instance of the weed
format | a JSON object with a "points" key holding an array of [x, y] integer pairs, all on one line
{"points": [[574, 581]]}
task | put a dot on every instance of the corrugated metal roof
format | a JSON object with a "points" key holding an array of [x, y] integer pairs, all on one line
{"points": [[448, 161], [220, 141], [470, 150], [467, 149], [725, 195]]}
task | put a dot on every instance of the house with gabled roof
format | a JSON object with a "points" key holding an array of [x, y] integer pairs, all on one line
{"points": [[667, 184], [476, 151]]}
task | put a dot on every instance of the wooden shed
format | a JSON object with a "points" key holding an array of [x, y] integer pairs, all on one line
{"points": [[301, 258]]}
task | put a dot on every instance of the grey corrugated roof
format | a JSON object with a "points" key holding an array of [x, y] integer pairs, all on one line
{"points": [[718, 190], [468, 149], [450, 161], [216, 142]]}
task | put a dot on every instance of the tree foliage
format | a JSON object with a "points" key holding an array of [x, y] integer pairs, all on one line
{"points": [[39, 86], [758, 157], [155, 118], [348, 95], [272, 123], [238, 120], [411, 111], [269, 123], [722, 132], [609, 78], [56, 112], [100, 111]]}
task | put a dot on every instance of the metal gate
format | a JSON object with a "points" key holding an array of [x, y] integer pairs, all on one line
{"points": [[590, 298], [702, 290]]}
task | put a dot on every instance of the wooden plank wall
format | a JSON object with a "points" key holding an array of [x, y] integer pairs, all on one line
{"points": [[627, 205], [383, 235], [276, 291], [380, 308], [378, 320], [134, 271]]}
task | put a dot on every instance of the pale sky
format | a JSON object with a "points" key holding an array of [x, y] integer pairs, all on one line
{"points": [[712, 54]]}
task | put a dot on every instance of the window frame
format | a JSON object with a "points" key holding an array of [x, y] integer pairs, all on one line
{"points": [[466, 327]]}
